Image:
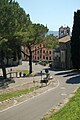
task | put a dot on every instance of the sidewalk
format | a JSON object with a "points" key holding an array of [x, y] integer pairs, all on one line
{"points": [[23, 80]]}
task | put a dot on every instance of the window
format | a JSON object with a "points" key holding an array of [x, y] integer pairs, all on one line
{"points": [[38, 52], [49, 58], [35, 57], [46, 58], [43, 57], [49, 52], [38, 58], [43, 51], [46, 53]]}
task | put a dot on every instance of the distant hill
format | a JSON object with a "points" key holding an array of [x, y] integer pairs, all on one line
{"points": [[55, 33]]}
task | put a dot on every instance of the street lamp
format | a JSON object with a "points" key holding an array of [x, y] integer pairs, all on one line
{"points": [[41, 78], [41, 75]]}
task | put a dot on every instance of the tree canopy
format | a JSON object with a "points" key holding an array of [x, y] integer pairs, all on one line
{"points": [[13, 20], [75, 41], [51, 41], [16, 29], [34, 35]]}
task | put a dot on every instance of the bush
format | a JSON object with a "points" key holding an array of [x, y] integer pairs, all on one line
{"points": [[43, 63]]}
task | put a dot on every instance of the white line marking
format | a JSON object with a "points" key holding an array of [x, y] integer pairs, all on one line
{"points": [[64, 94], [63, 88], [31, 98]]}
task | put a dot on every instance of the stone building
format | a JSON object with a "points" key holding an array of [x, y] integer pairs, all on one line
{"points": [[64, 31], [65, 52], [56, 59], [62, 56]]}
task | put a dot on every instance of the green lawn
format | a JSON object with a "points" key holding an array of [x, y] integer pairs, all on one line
{"points": [[5, 96], [23, 71], [71, 111]]}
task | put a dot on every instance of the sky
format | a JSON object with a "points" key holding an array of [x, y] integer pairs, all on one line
{"points": [[53, 13]]}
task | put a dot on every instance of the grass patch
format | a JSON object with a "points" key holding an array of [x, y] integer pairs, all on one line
{"points": [[43, 63], [71, 111], [23, 71], [5, 96]]}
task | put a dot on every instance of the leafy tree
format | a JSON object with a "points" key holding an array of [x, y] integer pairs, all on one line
{"points": [[75, 41], [16, 28], [51, 41], [34, 35], [13, 20]]}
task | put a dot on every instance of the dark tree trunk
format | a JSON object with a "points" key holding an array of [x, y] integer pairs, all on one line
{"points": [[3, 64], [30, 60], [4, 72], [3, 69]]}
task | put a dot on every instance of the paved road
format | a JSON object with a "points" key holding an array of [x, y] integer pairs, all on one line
{"points": [[36, 107], [25, 65]]}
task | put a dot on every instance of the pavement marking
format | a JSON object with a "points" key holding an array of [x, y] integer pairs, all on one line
{"points": [[15, 102], [31, 98], [64, 94], [63, 88]]}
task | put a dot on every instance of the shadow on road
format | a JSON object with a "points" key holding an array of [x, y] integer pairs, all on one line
{"points": [[64, 73], [39, 73], [5, 82], [75, 76], [74, 80], [68, 73]]}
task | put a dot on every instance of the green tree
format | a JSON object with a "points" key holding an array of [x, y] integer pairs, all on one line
{"points": [[13, 20], [51, 41], [34, 35], [75, 41]]}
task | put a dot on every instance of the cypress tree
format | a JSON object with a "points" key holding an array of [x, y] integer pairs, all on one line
{"points": [[75, 41]]}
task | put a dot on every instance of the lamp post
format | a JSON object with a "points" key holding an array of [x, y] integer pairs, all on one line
{"points": [[47, 75], [41, 77]]}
